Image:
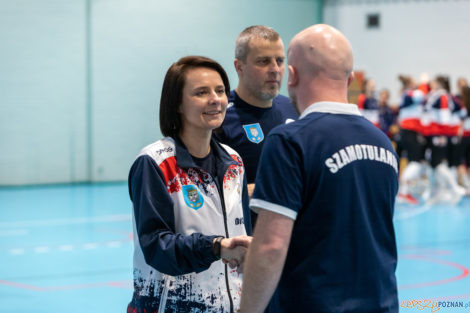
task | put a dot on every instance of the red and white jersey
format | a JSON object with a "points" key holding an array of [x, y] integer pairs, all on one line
{"points": [[411, 110], [436, 119]]}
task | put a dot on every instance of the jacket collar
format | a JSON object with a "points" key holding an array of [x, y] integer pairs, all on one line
{"points": [[185, 160], [331, 107]]}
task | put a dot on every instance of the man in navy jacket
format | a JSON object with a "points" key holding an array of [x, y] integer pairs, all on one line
{"points": [[325, 192]]}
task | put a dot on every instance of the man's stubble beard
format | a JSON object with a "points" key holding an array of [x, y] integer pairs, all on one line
{"points": [[293, 100], [265, 95]]}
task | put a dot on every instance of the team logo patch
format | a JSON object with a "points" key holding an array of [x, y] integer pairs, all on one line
{"points": [[254, 132], [192, 197]]}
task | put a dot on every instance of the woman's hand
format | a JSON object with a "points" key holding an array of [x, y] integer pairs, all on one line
{"points": [[233, 251]]}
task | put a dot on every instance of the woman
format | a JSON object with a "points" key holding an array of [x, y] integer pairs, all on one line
{"points": [[464, 168], [367, 102], [438, 108], [190, 200], [412, 139]]}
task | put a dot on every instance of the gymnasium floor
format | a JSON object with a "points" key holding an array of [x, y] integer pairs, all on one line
{"points": [[69, 249]]}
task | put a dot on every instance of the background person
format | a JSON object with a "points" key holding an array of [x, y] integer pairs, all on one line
{"points": [[464, 168], [457, 154], [438, 110], [255, 106], [367, 102], [412, 137], [387, 114]]}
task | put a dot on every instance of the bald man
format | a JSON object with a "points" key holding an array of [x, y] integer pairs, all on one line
{"points": [[325, 192]]}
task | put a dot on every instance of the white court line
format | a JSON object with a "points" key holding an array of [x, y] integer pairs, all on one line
{"points": [[411, 213], [42, 249], [68, 221], [17, 251], [66, 248], [69, 247], [90, 246], [114, 244]]}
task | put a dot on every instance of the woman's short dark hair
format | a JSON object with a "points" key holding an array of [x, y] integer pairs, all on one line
{"points": [[172, 90]]}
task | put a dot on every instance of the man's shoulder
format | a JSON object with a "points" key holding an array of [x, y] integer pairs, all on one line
{"points": [[284, 105], [280, 99], [233, 98], [233, 102], [290, 131], [321, 123]]}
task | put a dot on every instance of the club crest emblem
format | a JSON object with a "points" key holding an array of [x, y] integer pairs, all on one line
{"points": [[254, 132], [192, 197]]}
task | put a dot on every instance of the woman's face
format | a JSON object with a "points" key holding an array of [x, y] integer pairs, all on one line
{"points": [[370, 88], [204, 101], [384, 96], [461, 82]]}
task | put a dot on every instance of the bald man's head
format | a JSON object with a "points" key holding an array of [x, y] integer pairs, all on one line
{"points": [[321, 50]]}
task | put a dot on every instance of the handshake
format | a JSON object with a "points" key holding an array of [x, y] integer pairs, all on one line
{"points": [[233, 250]]}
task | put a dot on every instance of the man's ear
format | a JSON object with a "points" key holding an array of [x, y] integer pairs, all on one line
{"points": [[293, 79], [350, 78], [238, 66]]}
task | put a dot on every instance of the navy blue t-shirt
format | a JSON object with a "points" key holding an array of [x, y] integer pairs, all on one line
{"points": [[246, 126], [336, 175]]}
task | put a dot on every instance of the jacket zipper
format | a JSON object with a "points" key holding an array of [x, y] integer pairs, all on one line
{"points": [[226, 236], [220, 185]]}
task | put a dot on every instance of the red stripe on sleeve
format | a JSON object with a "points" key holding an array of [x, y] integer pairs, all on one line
{"points": [[174, 176], [444, 102], [360, 101]]}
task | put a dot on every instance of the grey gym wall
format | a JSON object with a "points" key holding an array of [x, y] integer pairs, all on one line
{"points": [[413, 37]]}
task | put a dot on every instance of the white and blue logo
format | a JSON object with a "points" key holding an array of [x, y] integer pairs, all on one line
{"points": [[192, 197], [254, 132]]}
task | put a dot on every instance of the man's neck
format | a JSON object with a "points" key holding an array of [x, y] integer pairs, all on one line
{"points": [[246, 96], [319, 91]]}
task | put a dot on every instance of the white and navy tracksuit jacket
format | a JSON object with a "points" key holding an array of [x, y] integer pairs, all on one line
{"points": [[178, 210], [411, 110]]}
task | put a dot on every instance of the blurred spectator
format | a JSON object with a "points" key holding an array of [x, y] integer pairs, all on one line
{"points": [[412, 140], [439, 106], [367, 102], [387, 115]]}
